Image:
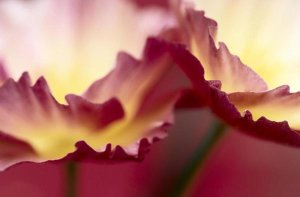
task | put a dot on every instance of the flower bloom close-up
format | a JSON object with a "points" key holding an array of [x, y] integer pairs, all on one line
{"points": [[63, 49], [250, 97], [89, 80]]}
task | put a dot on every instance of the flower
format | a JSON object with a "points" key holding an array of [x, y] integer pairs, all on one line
{"points": [[117, 116], [71, 44], [244, 100]]}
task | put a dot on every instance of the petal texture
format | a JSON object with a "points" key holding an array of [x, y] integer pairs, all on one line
{"points": [[218, 63], [43, 129], [278, 105], [149, 89], [264, 34], [32, 115], [260, 127], [227, 108], [72, 43], [118, 116], [198, 32]]}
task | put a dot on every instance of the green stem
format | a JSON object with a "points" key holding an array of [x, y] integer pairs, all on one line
{"points": [[196, 162], [71, 177]]}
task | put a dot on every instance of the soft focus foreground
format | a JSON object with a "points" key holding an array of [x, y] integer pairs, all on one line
{"points": [[241, 166], [70, 50]]}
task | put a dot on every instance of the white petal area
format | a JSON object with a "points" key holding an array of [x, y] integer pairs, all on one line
{"points": [[73, 42], [264, 34]]}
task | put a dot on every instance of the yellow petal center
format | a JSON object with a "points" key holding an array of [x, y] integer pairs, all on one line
{"points": [[264, 34]]}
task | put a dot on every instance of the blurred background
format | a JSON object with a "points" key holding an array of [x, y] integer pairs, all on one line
{"points": [[240, 166]]}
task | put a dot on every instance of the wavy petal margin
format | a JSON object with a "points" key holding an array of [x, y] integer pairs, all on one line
{"points": [[209, 94], [204, 92], [117, 118], [278, 104], [48, 130], [262, 127], [198, 33], [145, 91], [195, 30]]}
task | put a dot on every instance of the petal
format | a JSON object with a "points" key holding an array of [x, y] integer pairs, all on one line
{"points": [[84, 152], [165, 69], [227, 110], [277, 104], [147, 92], [13, 150], [264, 34], [30, 114], [218, 63], [231, 71], [209, 94], [263, 128], [139, 83], [72, 43], [149, 89]]}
